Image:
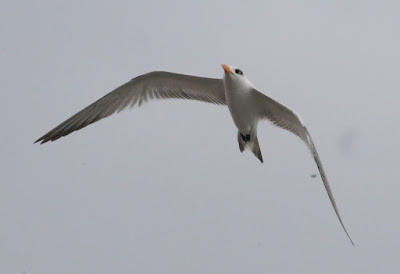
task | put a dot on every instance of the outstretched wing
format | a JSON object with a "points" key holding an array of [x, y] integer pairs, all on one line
{"points": [[285, 118], [153, 85]]}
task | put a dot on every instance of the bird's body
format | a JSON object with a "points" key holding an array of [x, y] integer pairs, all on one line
{"points": [[246, 104], [241, 106], [240, 99]]}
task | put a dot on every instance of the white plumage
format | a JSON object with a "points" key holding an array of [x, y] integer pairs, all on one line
{"points": [[246, 104]]}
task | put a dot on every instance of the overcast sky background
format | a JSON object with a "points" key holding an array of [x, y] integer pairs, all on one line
{"points": [[164, 188]]}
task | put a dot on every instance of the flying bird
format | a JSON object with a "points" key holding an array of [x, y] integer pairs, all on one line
{"points": [[246, 104]]}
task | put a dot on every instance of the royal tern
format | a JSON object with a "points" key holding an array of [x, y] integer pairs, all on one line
{"points": [[246, 104]]}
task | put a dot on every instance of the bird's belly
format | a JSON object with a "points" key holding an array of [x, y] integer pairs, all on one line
{"points": [[243, 116]]}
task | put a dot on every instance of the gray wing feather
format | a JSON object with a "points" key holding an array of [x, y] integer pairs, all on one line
{"points": [[153, 85], [285, 118]]}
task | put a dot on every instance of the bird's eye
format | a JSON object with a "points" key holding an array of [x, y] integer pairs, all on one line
{"points": [[238, 71]]}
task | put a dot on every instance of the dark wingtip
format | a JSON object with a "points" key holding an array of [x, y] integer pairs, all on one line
{"points": [[351, 241], [41, 140]]}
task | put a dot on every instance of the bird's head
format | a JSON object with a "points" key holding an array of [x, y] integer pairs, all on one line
{"points": [[234, 77]]}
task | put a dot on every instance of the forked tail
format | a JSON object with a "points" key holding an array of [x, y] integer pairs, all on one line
{"points": [[252, 145]]}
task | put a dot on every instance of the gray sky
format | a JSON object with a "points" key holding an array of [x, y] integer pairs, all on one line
{"points": [[164, 188]]}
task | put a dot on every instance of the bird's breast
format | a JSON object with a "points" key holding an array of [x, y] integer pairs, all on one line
{"points": [[242, 110]]}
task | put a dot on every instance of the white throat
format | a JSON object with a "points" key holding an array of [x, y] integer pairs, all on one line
{"points": [[237, 84]]}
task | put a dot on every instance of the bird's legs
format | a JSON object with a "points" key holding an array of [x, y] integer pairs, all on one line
{"points": [[245, 138]]}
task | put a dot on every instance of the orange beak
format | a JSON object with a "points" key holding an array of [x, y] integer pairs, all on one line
{"points": [[227, 69]]}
